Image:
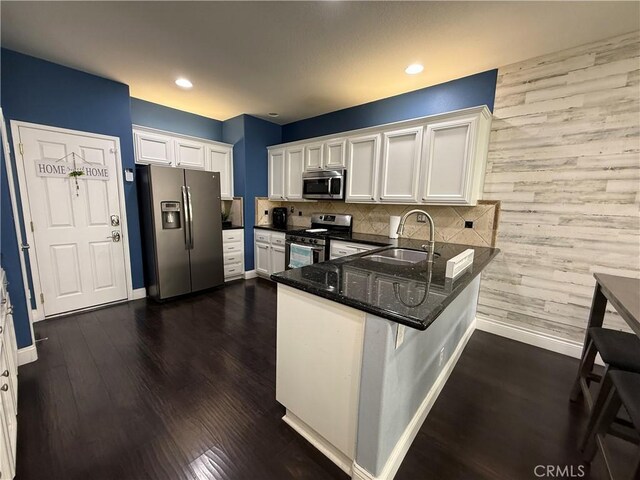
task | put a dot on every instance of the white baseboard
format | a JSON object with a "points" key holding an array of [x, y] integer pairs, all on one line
{"points": [[406, 439], [37, 315], [531, 337], [27, 354], [315, 439], [250, 274], [139, 293]]}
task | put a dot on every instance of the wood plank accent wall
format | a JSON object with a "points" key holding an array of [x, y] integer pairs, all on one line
{"points": [[564, 160]]}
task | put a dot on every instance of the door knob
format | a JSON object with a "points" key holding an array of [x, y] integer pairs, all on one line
{"points": [[115, 236]]}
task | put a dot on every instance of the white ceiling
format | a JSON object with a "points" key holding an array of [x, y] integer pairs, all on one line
{"points": [[299, 59]]}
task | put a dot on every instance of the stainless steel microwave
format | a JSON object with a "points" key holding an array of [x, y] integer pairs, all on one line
{"points": [[323, 185]]}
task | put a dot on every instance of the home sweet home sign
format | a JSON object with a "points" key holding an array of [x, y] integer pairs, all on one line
{"points": [[52, 168]]}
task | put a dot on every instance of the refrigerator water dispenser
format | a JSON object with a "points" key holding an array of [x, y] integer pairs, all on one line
{"points": [[170, 215]]}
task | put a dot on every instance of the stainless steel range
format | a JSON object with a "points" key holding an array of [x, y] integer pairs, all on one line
{"points": [[323, 225]]}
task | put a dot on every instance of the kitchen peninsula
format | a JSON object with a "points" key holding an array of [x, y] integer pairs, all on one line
{"points": [[356, 382]]}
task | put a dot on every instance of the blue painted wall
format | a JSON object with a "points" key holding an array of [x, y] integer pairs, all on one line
{"points": [[38, 91], [471, 91], [165, 118], [250, 137]]}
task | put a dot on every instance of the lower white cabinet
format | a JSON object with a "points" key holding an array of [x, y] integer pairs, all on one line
{"points": [[8, 386], [339, 248], [233, 253], [270, 251]]}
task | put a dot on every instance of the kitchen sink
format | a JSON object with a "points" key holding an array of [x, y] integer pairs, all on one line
{"points": [[399, 256]]}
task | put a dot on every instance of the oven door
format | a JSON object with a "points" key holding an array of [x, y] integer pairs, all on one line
{"points": [[318, 253], [326, 185]]}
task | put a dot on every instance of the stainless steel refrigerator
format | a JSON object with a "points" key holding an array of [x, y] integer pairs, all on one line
{"points": [[181, 230]]}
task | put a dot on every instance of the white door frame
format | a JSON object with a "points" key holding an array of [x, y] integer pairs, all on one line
{"points": [[29, 353], [26, 209]]}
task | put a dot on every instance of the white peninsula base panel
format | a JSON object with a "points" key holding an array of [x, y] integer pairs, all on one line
{"points": [[351, 388]]}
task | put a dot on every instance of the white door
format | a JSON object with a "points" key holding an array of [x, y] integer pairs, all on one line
{"points": [[448, 158], [77, 231], [263, 260], [335, 154], [313, 157], [190, 154], [401, 165], [153, 148], [277, 259], [293, 173], [276, 174], [221, 161], [362, 168]]}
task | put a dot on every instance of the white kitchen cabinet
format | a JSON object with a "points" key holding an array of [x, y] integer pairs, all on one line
{"points": [[339, 248], [313, 157], [220, 159], [294, 166], [190, 154], [454, 160], [263, 259], [277, 258], [270, 248], [233, 253], [276, 174], [401, 152], [153, 148], [335, 154], [174, 150], [363, 159]]}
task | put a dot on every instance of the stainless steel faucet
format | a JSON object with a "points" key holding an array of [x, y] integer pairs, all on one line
{"points": [[429, 247]]}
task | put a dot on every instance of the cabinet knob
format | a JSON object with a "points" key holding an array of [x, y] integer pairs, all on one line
{"points": [[1, 330], [4, 387], [10, 310], [5, 373]]}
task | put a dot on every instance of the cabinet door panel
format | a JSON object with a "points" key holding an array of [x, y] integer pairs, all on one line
{"points": [[190, 154], [362, 168], [313, 157], [401, 165], [293, 173], [263, 259], [448, 161], [276, 175], [153, 148], [335, 154], [277, 259], [220, 159]]}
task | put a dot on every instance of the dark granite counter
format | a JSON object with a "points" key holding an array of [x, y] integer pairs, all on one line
{"points": [[232, 227], [276, 229], [401, 293]]}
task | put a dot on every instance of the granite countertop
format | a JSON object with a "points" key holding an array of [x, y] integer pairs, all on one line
{"points": [[232, 227], [278, 229], [394, 292]]}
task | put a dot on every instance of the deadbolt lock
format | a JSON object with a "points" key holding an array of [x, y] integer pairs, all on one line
{"points": [[115, 220]]}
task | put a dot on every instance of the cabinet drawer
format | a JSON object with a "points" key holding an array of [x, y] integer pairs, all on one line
{"points": [[342, 251], [277, 239], [262, 236], [229, 236], [232, 247], [231, 258], [233, 270]]}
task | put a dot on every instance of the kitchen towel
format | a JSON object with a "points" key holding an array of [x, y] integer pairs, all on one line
{"points": [[394, 221], [300, 255]]}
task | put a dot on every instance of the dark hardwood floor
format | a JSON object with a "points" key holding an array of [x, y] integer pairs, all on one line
{"points": [[186, 390]]}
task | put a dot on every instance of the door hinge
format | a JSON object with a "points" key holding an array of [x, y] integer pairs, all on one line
{"points": [[21, 148], [31, 223], [42, 298]]}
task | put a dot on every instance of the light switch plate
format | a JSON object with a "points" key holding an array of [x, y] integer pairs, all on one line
{"points": [[128, 175]]}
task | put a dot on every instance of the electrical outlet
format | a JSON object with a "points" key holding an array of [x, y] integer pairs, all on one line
{"points": [[441, 357], [299, 213], [421, 218], [400, 335], [468, 224], [266, 212]]}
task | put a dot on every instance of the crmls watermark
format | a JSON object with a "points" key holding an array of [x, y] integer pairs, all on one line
{"points": [[559, 471]]}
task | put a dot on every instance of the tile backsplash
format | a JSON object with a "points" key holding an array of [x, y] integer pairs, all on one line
{"points": [[374, 219]]}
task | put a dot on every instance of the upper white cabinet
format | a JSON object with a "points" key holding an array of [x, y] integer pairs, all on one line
{"points": [[171, 149], [220, 159], [363, 161], [437, 160], [313, 158], [153, 148], [276, 174], [190, 154], [294, 166], [400, 165]]}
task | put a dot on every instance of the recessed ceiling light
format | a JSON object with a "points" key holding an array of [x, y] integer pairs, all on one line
{"points": [[273, 114], [184, 83], [414, 68]]}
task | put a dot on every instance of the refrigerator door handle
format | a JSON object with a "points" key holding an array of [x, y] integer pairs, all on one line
{"points": [[190, 219], [187, 224]]}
